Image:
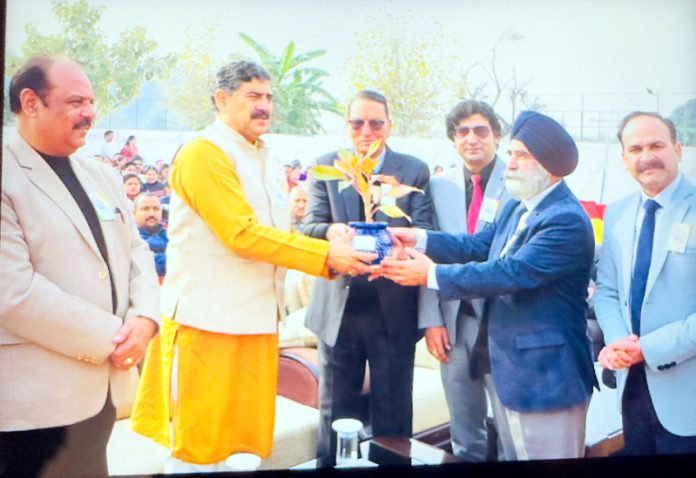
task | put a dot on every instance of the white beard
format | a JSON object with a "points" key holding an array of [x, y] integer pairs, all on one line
{"points": [[523, 187]]}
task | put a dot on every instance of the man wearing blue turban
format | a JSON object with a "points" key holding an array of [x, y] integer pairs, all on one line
{"points": [[532, 268]]}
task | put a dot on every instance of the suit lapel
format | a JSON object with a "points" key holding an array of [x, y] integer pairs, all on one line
{"points": [[495, 189], [351, 203], [625, 233], [392, 165], [454, 196], [43, 177], [94, 188], [673, 214]]}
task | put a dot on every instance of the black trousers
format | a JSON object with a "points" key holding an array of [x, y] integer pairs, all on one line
{"points": [[71, 450], [643, 432], [362, 338]]}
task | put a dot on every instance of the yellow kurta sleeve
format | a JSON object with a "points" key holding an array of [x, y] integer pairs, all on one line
{"points": [[205, 179]]}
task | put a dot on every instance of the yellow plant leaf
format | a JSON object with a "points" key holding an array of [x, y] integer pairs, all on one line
{"points": [[346, 156], [374, 147], [384, 179], [402, 190], [363, 185], [368, 165], [327, 173], [394, 212], [343, 166]]}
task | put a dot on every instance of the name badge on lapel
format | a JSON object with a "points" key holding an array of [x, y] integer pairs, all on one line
{"points": [[104, 212], [489, 208], [678, 237]]}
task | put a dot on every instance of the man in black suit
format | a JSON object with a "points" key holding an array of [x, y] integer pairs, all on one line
{"points": [[359, 321]]}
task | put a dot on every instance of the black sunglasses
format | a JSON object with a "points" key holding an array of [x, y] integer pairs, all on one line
{"points": [[480, 131], [375, 125]]}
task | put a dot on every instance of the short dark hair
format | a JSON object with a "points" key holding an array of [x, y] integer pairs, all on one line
{"points": [[371, 95], [137, 157], [126, 164], [467, 108], [108, 132], [139, 198], [131, 175], [33, 75], [667, 122], [231, 76]]}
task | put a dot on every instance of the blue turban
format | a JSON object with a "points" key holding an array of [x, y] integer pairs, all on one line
{"points": [[548, 141]]}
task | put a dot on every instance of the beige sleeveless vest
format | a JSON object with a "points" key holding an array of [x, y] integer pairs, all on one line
{"points": [[208, 286]]}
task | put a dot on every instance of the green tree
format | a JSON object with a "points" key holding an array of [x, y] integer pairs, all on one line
{"points": [[117, 70], [684, 118], [411, 71], [188, 94], [298, 96]]}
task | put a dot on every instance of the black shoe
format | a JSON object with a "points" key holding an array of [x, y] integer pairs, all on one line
{"points": [[609, 378]]}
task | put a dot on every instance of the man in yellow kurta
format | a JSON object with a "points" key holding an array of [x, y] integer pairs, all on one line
{"points": [[209, 380]]}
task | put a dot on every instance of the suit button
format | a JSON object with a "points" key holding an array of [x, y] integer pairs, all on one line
{"points": [[673, 364], [660, 367], [103, 275]]}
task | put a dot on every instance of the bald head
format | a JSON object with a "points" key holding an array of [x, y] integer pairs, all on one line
{"points": [[298, 203]]}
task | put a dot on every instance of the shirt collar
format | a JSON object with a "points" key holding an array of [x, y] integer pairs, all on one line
{"points": [[534, 201], [664, 197], [237, 136], [485, 173]]}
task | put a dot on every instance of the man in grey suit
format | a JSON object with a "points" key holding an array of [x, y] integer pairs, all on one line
{"points": [[79, 298], [644, 301], [466, 199], [359, 321]]}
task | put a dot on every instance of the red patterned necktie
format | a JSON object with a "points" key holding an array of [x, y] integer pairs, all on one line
{"points": [[476, 200]]}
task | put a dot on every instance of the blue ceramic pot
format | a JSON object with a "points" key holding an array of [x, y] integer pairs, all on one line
{"points": [[372, 237]]}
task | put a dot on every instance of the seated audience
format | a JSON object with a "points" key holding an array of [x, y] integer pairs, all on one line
{"points": [[133, 186], [148, 217], [298, 206], [130, 149], [153, 184]]}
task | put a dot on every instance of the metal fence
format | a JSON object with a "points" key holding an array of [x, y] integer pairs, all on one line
{"points": [[588, 117]]}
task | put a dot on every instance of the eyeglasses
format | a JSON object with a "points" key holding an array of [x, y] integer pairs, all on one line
{"points": [[375, 125], [480, 131]]}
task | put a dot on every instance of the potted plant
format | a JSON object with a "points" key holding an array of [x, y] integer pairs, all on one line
{"points": [[378, 192]]}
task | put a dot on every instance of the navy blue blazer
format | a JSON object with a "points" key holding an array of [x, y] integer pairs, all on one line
{"points": [[535, 299], [327, 205]]}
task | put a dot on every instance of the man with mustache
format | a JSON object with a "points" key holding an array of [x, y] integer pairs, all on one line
{"points": [[148, 217], [298, 206], [78, 290], [209, 382], [644, 301], [532, 267]]}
